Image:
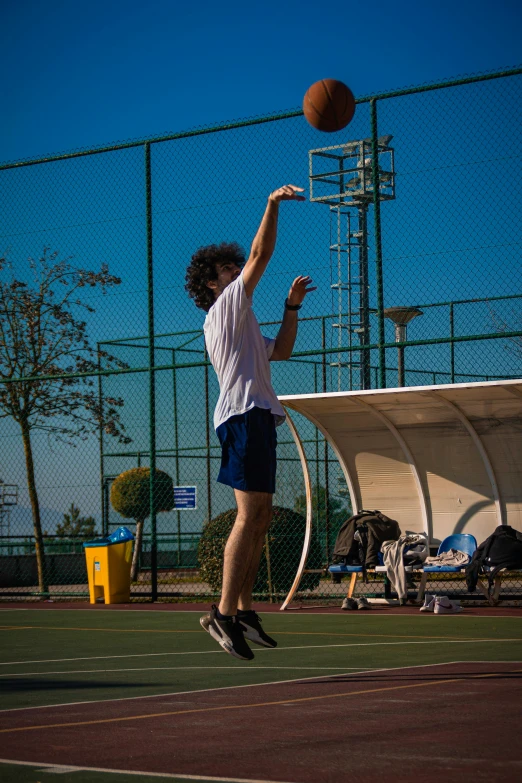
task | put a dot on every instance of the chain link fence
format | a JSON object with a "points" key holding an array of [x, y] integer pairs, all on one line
{"points": [[102, 358]]}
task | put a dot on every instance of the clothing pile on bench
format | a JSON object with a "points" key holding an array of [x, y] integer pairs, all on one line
{"points": [[360, 538], [411, 549], [453, 557]]}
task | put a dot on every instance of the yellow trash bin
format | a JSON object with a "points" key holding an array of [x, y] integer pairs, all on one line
{"points": [[109, 565]]}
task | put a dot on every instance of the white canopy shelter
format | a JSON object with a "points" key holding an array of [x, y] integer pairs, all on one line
{"points": [[438, 459]]}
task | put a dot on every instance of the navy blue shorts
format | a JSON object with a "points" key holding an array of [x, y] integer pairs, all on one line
{"points": [[248, 451]]}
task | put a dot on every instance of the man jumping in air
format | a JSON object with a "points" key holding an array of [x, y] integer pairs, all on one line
{"points": [[247, 411]]}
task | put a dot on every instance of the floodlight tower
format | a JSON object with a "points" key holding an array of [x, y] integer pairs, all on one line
{"points": [[401, 317], [8, 497], [343, 177]]}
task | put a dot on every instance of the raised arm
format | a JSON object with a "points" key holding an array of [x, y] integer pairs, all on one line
{"points": [[285, 339], [265, 239]]}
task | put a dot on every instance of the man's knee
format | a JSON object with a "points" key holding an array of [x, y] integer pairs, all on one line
{"points": [[257, 521]]}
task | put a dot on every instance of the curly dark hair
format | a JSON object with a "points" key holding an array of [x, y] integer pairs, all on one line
{"points": [[202, 269]]}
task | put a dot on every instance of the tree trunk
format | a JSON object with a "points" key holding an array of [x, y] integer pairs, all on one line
{"points": [[35, 508], [137, 549]]}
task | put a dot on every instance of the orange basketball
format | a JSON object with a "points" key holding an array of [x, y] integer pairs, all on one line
{"points": [[329, 105]]}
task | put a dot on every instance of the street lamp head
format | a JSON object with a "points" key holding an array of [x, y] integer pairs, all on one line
{"points": [[401, 315]]}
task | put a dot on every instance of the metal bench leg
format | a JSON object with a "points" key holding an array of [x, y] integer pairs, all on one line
{"points": [[497, 588], [484, 590], [422, 587]]}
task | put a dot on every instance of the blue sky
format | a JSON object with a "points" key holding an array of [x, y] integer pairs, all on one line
{"points": [[77, 74]]}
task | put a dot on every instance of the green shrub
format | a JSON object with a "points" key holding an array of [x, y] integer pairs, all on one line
{"points": [[285, 544], [130, 493]]}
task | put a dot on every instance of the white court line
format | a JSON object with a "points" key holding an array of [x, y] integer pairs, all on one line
{"points": [[305, 612], [138, 655], [220, 652], [488, 662], [229, 687], [62, 768], [277, 649], [99, 658]]}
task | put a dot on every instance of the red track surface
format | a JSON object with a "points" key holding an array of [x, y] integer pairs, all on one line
{"points": [[486, 611], [454, 722]]}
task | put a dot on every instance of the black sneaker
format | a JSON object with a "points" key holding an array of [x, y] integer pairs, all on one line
{"points": [[363, 603], [227, 633], [253, 630], [349, 604]]}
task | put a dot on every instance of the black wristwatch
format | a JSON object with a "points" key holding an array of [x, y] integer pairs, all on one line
{"points": [[291, 307]]}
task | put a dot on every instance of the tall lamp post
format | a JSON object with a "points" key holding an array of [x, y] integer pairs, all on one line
{"points": [[401, 317]]}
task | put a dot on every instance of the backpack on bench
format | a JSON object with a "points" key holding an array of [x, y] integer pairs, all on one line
{"points": [[503, 549]]}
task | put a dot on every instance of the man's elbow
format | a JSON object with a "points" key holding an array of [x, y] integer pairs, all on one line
{"points": [[280, 354]]}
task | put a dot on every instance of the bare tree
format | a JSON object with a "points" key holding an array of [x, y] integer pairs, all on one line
{"points": [[42, 339]]}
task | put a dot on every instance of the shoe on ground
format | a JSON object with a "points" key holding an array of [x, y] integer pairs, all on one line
{"points": [[253, 630], [443, 605], [429, 603], [349, 604], [363, 603], [228, 634]]}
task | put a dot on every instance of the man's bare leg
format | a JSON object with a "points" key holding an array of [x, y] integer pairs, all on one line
{"points": [[245, 597], [244, 547]]}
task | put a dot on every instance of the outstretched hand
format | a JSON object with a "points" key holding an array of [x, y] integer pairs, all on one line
{"points": [[299, 289], [287, 193]]}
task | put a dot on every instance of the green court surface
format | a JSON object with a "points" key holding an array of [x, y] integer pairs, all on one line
{"points": [[14, 773], [66, 656]]}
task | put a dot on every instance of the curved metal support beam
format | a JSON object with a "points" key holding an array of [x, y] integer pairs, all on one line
{"points": [[308, 528], [501, 520], [423, 501], [354, 497]]}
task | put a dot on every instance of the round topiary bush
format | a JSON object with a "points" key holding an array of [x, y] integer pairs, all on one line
{"points": [[130, 497], [130, 493], [285, 544]]}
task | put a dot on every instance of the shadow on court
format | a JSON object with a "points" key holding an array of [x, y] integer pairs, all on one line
{"points": [[31, 684], [390, 677]]}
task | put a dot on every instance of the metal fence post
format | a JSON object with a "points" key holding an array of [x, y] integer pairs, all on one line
{"points": [[104, 514], [452, 344], [326, 466], [152, 378], [378, 245], [176, 446]]}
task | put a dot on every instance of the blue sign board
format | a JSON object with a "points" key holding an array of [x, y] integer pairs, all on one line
{"points": [[184, 498]]}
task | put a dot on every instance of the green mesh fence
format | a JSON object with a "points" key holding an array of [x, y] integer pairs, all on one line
{"points": [[433, 227]]}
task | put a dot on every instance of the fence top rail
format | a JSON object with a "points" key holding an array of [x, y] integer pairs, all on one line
{"points": [[199, 332], [274, 117], [502, 335]]}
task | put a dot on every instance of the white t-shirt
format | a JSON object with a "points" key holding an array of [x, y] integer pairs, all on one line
{"points": [[240, 356]]}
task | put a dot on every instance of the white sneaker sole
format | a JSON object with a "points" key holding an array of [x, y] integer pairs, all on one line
{"points": [[227, 647], [447, 610], [252, 635]]}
